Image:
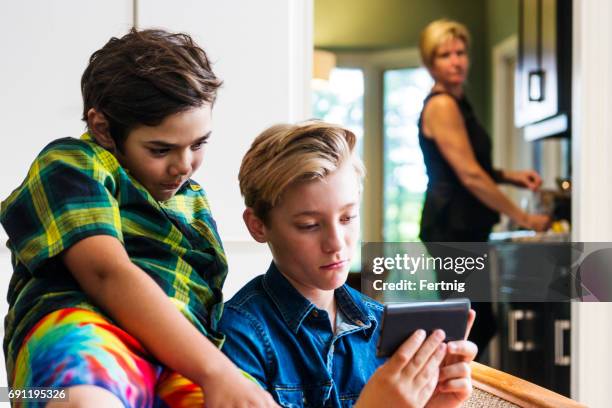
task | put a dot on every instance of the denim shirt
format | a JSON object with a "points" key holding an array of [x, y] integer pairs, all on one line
{"points": [[288, 345]]}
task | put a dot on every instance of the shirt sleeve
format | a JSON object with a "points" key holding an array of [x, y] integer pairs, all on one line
{"points": [[68, 195], [246, 343]]}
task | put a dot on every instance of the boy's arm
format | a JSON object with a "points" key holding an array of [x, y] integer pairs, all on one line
{"points": [[105, 273]]}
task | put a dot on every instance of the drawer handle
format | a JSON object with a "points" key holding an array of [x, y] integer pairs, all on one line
{"points": [[514, 316], [560, 358]]}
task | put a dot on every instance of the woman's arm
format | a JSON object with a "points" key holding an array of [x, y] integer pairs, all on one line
{"points": [[442, 119], [132, 298]]}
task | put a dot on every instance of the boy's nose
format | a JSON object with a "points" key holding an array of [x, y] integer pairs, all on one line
{"points": [[333, 240], [180, 167]]}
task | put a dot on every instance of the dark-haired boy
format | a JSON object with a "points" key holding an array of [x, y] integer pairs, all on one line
{"points": [[118, 265]]}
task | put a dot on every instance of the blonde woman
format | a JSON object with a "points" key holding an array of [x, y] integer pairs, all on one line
{"points": [[463, 201]]}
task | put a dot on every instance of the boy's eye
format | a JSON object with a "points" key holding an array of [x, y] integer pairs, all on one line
{"points": [[159, 152], [349, 218], [199, 145], [307, 227]]}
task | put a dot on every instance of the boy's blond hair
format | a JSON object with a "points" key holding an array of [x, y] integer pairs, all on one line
{"points": [[436, 33], [285, 154]]}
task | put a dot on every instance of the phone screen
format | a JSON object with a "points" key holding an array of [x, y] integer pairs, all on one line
{"points": [[400, 320]]}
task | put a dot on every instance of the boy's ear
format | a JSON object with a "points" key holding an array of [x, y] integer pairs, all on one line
{"points": [[99, 128], [255, 226]]}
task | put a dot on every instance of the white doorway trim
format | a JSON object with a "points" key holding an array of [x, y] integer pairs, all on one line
{"points": [[301, 46], [592, 190], [502, 52]]}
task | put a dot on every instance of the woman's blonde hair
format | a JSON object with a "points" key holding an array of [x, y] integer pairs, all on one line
{"points": [[285, 154], [436, 33]]}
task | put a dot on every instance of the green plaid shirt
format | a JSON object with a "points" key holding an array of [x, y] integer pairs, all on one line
{"points": [[76, 189]]}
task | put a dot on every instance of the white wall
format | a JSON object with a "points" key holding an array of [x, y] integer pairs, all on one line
{"points": [[45, 47]]}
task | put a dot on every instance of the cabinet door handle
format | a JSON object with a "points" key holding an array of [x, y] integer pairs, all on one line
{"points": [[560, 358], [514, 316]]}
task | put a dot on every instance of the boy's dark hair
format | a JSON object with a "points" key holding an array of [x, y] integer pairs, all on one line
{"points": [[145, 76]]}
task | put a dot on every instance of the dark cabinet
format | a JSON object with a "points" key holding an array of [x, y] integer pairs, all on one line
{"points": [[534, 343], [543, 72], [534, 325]]}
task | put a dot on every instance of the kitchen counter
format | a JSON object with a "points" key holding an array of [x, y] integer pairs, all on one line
{"points": [[529, 236]]}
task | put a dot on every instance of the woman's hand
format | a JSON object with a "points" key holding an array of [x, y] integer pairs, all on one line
{"points": [[409, 377], [536, 222], [455, 379], [523, 178], [230, 388]]}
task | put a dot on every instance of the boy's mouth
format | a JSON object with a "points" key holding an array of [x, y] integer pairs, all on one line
{"points": [[172, 186], [335, 265]]}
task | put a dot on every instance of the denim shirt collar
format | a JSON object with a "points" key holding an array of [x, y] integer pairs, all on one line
{"points": [[294, 307]]}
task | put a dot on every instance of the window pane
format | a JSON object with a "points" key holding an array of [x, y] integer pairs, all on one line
{"points": [[340, 100], [405, 179]]}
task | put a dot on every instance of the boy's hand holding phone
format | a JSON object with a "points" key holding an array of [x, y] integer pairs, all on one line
{"points": [[409, 377], [393, 383], [455, 382]]}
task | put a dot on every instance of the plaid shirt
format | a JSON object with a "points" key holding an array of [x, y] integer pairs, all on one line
{"points": [[76, 189]]}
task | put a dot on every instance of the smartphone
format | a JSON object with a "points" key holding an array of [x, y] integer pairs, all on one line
{"points": [[400, 320]]}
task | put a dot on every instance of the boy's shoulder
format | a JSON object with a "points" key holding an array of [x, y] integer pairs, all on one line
{"points": [[250, 296], [81, 153], [248, 309], [84, 144], [61, 159]]}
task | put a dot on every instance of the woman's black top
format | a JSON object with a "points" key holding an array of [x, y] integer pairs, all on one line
{"points": [[449, 206]]}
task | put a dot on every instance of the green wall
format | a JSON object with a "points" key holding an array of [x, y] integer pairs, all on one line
{"points": [[502, 22], [385, 24]]}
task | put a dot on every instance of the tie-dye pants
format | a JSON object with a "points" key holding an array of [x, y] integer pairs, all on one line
{"points": [[75, 346]]}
